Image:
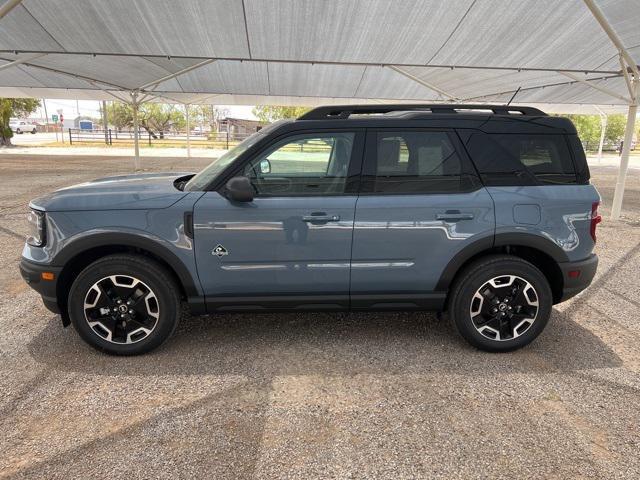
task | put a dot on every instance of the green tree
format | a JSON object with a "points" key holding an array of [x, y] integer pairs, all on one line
{"points": [[120, 115], [14, 107], [158, 118], [616, 125], [271, 113], [155, 118], [589, 126]]}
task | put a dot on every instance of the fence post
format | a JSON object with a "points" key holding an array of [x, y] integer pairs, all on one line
{"points": [[110, 139], [70, 139], [149, 138]]}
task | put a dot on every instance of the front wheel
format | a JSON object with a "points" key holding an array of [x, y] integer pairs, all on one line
{"points": [[500, 303], [18, 131], [124, 304]]}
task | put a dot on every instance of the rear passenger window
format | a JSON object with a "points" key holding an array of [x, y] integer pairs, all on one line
{"points": [[514, 159], [413, 162]]}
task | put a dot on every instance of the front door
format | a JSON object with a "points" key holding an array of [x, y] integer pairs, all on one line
{"points": [[420, 204], [291, 246]]}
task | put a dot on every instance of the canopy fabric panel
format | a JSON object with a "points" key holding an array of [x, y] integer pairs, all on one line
{"points": [[546, 52]]}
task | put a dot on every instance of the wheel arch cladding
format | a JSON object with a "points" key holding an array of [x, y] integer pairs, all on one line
{"points": [[541, 252], [79, 254]]}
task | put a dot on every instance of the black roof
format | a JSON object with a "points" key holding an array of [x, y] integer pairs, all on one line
{"points": [[487, 118], [333, 112]]}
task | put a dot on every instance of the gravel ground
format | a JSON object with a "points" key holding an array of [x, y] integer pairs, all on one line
{"points": [[384, 395]]}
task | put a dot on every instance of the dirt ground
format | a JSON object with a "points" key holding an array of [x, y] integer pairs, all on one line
{"points": [[384, 395]]}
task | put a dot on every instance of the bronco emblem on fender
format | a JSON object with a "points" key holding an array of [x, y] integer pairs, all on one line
{"points": [[219, 251]]}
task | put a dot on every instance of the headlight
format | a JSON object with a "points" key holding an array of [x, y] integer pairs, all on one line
{"points": [[36, 221]]}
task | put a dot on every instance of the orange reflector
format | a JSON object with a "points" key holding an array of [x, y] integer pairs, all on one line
{"points": [[47, 275], [574, 273]]}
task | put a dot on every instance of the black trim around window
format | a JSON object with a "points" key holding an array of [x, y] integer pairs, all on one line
{"points": [[468, 177], [352, 184]]}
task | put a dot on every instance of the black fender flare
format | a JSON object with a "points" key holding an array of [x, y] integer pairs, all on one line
{"points": [[515, 239], [155, 247]]}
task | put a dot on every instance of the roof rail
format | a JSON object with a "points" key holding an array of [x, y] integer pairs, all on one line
{"points": [[332, 112]]}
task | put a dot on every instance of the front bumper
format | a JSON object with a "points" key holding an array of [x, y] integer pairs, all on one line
{"points": [[574, 282], [32, 274]]}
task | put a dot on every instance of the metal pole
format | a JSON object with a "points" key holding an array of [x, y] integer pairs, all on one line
{"points": [[603, 129], [186, 110], [136, 133], [624, 161], [105, 123], [8, 6], [46, 116]]}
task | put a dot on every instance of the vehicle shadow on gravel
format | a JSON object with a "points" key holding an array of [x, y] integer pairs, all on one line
{"points": [[263, 346], [230, 424]]}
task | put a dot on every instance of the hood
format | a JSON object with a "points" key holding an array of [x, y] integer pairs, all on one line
{"points": [[126, 192]]}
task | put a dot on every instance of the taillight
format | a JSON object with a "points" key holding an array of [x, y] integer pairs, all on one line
{"points": [[595, 219]]}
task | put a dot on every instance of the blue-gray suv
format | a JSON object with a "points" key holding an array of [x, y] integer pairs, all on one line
{"points": [[481, 211]]}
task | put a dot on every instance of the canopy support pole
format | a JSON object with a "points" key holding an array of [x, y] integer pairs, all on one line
{"points": [[624, 160], [176, 74], [8, 6], [186, 114], [573, 76], [136, 131], [430, 86], [105, 122], [613, 36], [603, 129]]}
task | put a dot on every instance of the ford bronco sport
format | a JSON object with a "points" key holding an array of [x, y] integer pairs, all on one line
{"points": [[482, 211]]}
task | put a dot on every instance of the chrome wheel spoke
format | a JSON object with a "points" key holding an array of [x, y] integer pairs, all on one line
{"points": [[504, 307], [121, 309]]}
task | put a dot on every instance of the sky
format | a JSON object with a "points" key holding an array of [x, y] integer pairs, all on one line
{"points": [[91, 108]]}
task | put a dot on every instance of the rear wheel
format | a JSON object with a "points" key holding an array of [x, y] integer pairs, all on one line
{"points": [[18, 131], [500, 303], [124, 304], [33, 132]]}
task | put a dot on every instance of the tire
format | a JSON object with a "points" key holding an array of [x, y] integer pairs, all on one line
{"points": [[18, 131], [33, 132], [144, 288], [515, 289]]}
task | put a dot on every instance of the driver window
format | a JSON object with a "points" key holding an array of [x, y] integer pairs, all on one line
{"points": [[308, 164]]}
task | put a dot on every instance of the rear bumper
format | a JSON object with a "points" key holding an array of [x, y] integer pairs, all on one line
{"points": [[32, 274], [574, 282]]}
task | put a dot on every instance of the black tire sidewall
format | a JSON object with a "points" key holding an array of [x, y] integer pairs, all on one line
{"points": [[480, 273], [154, 276]]}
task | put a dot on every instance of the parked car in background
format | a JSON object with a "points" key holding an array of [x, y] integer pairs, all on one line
{"points": [[21, 126], [485, 212]]}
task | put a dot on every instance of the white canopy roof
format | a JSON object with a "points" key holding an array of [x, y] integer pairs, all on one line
{"points": [[555, 53]]}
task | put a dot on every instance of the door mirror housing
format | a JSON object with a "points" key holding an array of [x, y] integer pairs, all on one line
{"points": [[239, 189]]}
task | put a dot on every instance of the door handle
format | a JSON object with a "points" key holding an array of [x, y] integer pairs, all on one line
{"points": [[454, 216], [321, 217]]}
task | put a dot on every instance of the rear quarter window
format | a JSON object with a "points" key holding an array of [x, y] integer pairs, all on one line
{"points": [[522, 159]]}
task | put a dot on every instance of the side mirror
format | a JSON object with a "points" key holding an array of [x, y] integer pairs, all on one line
{"points": [[265, 166], [239, 189]]}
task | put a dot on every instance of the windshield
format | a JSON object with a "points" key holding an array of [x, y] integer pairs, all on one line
{"points": [[204, 178]]}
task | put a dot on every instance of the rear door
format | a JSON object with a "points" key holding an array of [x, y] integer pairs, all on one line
{"points": [[291, 246], [420, 204]]}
